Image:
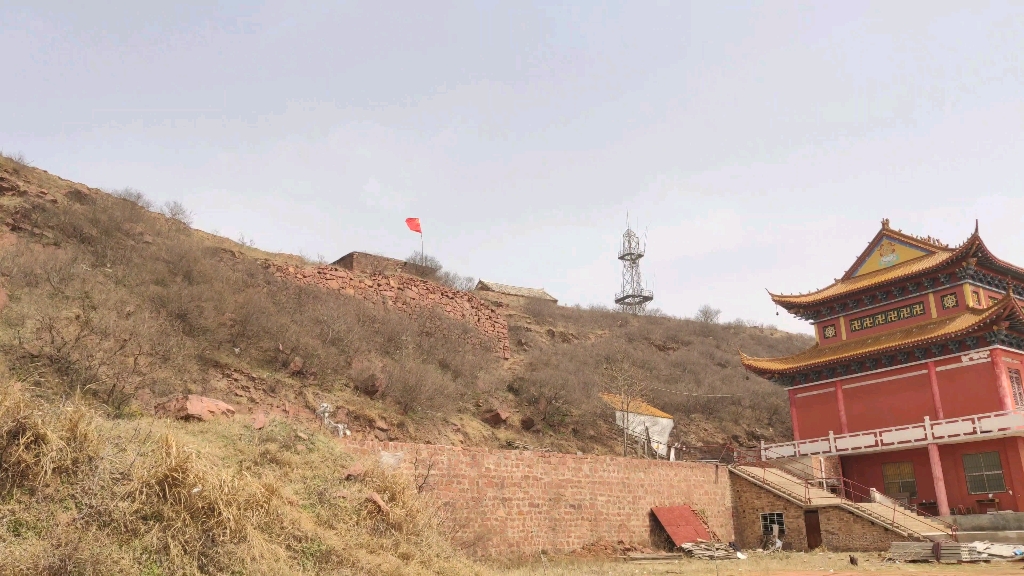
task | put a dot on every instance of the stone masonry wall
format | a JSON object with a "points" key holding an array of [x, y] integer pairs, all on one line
{"points": [[749, 501], [516, 503], [406, 294], [841, 530]]}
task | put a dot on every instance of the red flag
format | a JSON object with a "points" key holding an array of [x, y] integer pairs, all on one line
{"points": [[414, 224]]}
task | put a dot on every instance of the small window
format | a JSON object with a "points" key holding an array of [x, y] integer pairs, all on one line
{"points": [[1017, 387], [769, 519], [899, 479], [829, 331], [984, 473], [992, 300], [976, 298]]}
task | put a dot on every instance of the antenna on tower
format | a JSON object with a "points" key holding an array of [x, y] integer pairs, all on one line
{"points": [[632, 297]]}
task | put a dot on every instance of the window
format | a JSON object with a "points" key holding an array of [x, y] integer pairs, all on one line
{"points": [[1017, 387], [769, 519], [984, 473], [829, 331], [899, 479]]}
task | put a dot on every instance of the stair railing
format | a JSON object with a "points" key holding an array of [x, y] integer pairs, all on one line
{"points": [[848, 491]]}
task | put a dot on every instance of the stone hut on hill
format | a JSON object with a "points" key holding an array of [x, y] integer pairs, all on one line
{"points": [[506, 294], [376, 264]]}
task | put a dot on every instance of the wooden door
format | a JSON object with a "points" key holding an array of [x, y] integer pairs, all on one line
{"points": [[813, 527]]}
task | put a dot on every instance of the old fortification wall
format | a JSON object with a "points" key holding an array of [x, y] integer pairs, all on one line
{"points": [[406, 294], [506, 502]]}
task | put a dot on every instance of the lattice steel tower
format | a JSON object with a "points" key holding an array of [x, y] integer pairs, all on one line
{"points": [[632, 297]]}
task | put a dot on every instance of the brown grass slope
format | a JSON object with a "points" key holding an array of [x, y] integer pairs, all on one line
{"points": [[126, 306]]}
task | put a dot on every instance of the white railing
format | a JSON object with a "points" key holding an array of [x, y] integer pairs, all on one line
{"points": [[950, 430]]}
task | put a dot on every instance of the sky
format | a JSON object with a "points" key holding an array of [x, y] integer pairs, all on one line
{"points": [[755, 146]]}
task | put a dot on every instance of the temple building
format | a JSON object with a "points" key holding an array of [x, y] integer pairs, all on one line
{"points": [[914, 383]]}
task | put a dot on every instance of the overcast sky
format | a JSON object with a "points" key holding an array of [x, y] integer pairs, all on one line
{"points": [[757, 145]]}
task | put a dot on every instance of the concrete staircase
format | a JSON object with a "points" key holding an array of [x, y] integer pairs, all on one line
{"points": [[807, 495]]}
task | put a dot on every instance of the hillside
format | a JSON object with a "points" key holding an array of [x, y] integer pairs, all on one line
{"points": [[108, 307], [109, 299]]}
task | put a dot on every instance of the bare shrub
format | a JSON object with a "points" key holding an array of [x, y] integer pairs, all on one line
{"points": [[708, 314], [447, 278], [427, 260], [133, 195], [415, 387], [454, 280], [177, 211], [18, 159]]}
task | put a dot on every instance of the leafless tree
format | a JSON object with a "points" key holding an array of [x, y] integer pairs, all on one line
{"points": [[708, 314], [177, 211], [629, 391]]}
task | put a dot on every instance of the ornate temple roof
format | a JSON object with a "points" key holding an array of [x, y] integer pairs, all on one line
{"points": [[893, 255], [1000, 315]]}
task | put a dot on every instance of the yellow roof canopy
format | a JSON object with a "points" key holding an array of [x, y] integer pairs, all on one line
{"points": [[911, 336]]}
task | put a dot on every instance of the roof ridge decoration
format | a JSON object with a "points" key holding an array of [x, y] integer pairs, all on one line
{"points": [[934, 256], [999, 315], [926, 244]]}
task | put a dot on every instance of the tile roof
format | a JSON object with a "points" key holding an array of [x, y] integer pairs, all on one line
{"points": [[910, 336], [636, 406], [841, 287], [514, 290]]}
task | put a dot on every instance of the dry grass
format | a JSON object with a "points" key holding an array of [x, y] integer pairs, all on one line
{"points": [[690, 369], [784, 564], [108, 298], [87, 495]]}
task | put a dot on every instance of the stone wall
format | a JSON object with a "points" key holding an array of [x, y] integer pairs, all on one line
{"points": [[373, 264], [841, 530], [408, 294], [516, 503], [749, 501]]}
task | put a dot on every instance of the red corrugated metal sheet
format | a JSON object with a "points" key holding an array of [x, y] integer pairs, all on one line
{"points": [[682, 524]]}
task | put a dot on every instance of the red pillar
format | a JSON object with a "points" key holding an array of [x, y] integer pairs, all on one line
{"points": [[1002, 380], [842, 407], [936, 400], [792, 414], [940, 484]]}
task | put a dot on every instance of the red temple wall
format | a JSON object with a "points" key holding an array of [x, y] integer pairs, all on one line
{"points": [[962, 305], [866, 470], [967, 390], [902, 397], [817, 413], [906, 400]]}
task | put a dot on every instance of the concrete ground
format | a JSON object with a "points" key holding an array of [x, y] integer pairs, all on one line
{"points": [[785, 564]]}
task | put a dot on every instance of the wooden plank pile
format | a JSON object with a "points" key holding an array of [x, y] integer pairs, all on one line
{"points": [[911, 552], [710, 550], [654, 558]]}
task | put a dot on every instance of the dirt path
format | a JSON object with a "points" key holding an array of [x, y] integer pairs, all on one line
{"points": [[792, 564]]}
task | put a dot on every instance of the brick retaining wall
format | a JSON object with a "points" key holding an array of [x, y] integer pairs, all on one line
{"points": [[507, 502]]}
